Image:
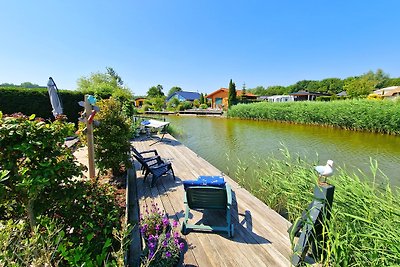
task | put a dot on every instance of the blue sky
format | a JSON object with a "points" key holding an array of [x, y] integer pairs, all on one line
{"points": [[197, 45]]}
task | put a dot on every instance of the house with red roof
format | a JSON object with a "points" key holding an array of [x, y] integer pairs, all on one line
{"points": [[219, 98]]}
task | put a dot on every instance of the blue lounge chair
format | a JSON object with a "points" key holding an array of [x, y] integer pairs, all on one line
{"points": [[208, 192], [150, 160], [157, 169]]}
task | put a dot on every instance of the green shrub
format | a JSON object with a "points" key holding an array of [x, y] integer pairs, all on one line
{"points": [[19, 248], [48, 218], [186, 105], [111, 137], [203, 106], [323, 98], [33, 154]]}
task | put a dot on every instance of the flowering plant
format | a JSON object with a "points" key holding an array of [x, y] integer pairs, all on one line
{"points": [[163, 244]]}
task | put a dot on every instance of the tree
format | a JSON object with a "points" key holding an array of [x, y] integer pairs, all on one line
{"points": [[29, 85], [276, 90], [243, 90], [331, 85], [360, 86], [114, 75], [259, 90], [155, 91], [173, 90], [381, 77], [109, 83], [232, 100], [300, 85], [202, 100]]}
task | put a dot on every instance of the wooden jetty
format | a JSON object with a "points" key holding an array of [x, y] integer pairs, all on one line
{"points": [[199, 112], [260, 236]]}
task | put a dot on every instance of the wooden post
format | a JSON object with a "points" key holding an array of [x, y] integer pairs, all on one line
{"points": [[89, 136]]}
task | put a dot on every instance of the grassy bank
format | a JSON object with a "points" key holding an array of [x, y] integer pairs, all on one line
{"points": [[364, 227], [363, 115]]}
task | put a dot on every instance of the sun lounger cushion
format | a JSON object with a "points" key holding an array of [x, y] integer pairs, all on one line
{"points": [[216, 181]]}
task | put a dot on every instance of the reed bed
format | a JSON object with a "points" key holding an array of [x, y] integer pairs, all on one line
{"points": [[364, 229], [361, 115]]}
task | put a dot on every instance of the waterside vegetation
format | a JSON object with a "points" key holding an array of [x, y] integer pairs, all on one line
{"points": [[363, 229], [361, 115]]}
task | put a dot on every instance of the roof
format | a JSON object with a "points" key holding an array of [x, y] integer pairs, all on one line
{"points": [[226, 90], [186, 95], [388, 91], [300, 93]]}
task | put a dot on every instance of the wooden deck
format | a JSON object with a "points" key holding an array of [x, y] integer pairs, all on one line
{"points": [[260, 237]]}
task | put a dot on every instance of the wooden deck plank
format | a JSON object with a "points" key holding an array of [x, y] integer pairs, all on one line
{"points": [[261, 237]]}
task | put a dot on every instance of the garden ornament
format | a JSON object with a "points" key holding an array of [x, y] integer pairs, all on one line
{"points": [[325, 171]]}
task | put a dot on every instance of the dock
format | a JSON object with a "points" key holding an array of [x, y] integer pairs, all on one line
{"points": [[198, 112], [260, 236]]}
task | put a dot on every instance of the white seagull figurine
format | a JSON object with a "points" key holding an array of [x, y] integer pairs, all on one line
{"points": [[325, 171]]}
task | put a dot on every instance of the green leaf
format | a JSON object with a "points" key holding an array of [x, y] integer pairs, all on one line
{"points": [[32, 117], [4, 175], [90, 236]]}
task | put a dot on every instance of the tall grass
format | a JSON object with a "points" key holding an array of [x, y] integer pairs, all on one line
{"points": [[364, 229], [364, 115]]}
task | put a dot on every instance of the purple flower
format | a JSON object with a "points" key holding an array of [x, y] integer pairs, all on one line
{"points": [[165, 243], [168, 235], [157, 227], [176, 235], [151, 245], [165, 221], [168, 254], [151, 254], [175, 223], [181, 246]]}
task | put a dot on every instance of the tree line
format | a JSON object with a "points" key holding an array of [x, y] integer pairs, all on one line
{"points": [[355, 86]]}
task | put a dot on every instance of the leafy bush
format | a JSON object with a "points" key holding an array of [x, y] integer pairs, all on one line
{"points": [[323, 98], [73, 223], [112, 137], [32, 153], [203, 106], [19, 248]]}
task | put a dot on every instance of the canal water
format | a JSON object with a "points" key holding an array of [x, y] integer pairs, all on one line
{"points": [[223, 141]]}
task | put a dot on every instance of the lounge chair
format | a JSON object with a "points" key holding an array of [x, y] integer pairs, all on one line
{"points": [[208, 192], [150, 160], [157, 169]]}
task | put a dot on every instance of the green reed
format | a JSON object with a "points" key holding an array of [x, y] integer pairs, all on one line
{"points": [[363, 115], [364, 229]]}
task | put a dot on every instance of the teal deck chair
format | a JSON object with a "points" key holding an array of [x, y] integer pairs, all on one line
{"points": [[201, 197]]}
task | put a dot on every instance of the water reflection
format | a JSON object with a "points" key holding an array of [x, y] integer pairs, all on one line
{"points": [[215, 139]]}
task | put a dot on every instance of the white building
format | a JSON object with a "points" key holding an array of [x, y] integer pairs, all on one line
{"points": [[278, 98]]}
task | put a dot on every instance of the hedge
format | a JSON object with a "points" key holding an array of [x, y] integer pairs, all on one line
{"points": [[36, 101]]}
